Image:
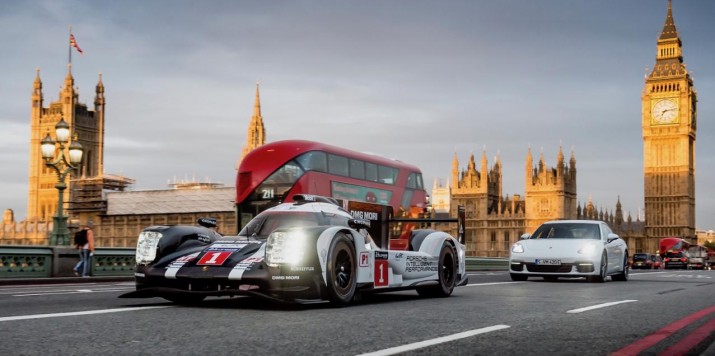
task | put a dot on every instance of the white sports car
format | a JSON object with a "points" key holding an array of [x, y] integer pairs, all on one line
{"points": [[570, 248]]}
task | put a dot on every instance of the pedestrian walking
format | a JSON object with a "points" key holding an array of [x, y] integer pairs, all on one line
{"points": [[84, 242]]}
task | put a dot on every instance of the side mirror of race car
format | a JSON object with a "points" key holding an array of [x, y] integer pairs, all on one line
{"points": [[359, 224]]}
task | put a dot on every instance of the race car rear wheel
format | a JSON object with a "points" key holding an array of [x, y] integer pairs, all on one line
{"points": [[341, 270], [447, 273]]}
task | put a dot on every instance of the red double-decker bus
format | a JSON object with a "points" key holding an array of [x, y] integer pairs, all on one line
{"points": [[674, 252], [274, 172]]}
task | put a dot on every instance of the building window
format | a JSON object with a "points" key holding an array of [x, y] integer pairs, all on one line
{"points": [[493, 243], [507, 241]]}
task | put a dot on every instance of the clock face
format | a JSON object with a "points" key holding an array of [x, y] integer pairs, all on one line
{"points": [[665, 111]]}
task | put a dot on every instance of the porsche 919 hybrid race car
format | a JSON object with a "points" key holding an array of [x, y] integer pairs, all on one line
{"points": [[307, 250]]}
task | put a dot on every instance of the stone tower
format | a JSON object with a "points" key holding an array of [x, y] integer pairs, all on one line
{"points": [[550, 193], [256, 135], [87, 124], [668, 121]]}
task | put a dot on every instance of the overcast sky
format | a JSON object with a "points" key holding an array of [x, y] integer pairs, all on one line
{"points": [[411, 80]]}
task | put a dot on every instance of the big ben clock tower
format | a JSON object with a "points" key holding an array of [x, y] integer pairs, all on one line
{"points": [[669, 123]]}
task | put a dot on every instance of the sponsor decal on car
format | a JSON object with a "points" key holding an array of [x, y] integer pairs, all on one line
{"points": [[381, 275], [364, 259], [239, 268], [421, 264], [302, 268], [174, 266], [214, 258], [285, 278]]}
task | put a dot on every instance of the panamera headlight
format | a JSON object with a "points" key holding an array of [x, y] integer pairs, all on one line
{"points": [[286, 247], [146, 246], [517, 248], [587, 250]]}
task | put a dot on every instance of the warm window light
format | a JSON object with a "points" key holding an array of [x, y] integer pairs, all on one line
{"points": [[48, 147], [62, 130]]}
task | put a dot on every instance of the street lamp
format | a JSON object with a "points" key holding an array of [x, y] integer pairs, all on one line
{"points": [[60, 233]]}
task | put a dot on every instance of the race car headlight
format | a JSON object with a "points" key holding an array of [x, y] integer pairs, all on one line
{"points": [[146, 246], [517, 248], [285, 247], [587, 250]]}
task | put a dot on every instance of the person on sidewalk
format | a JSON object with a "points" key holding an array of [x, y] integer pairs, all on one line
{"points": [[84, 242]]}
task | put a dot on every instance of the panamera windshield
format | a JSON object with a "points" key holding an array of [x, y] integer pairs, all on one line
{"points": [[567, 231]]}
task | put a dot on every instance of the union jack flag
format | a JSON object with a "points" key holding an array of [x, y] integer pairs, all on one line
{"points": [[73, 43]]}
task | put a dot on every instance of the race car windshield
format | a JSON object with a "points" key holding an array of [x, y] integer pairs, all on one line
{"points": [[265, 223]]}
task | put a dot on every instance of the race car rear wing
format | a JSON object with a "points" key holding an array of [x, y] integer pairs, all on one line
{"points": [[378, 219]]}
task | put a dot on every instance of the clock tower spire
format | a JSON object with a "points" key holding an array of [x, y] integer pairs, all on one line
{"points": [[669, 116]]}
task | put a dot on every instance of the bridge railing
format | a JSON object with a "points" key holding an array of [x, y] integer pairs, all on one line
{"points": [[58, 261]]}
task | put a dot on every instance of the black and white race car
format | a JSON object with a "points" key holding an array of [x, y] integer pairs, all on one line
{"points": [[307, 250]]}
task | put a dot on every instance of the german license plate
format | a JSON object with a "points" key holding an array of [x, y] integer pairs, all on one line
{"points": [[548, 261]]}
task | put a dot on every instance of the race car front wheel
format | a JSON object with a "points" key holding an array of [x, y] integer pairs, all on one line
{"points": [[341, 270], [447, 273]]}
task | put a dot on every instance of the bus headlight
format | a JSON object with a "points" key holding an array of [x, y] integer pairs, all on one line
{"points": [[286, 247], [146, 246]]}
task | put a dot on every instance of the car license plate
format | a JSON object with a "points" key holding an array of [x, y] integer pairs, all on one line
{"points": [[550, 262]]}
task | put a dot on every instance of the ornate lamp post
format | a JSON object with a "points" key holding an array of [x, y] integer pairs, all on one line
{"points": [[60, 233]]}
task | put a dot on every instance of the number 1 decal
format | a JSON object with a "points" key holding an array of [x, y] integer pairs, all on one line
{"points": [[214, 258], [382, 279]]}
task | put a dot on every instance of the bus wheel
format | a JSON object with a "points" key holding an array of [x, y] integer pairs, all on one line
{"points": [[446, 273], [341, 271]]}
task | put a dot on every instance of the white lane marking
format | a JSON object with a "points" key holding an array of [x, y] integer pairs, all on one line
{"points": [[581, 310], [87, 312], [73, 292], [490, 284], [439, 340]]}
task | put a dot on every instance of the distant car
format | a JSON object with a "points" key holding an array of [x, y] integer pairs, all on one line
{"points": [[643, 261], [570, 248], [679, 260], [657, 261], [308, 250]]}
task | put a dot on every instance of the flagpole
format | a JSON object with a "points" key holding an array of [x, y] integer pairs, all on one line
{"points": [[69, 46]]}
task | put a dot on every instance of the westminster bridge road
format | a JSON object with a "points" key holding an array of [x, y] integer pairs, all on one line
{"points": [[663, 312]]}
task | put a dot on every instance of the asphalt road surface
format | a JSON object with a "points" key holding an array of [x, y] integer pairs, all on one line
{"points": [[662, 312]]}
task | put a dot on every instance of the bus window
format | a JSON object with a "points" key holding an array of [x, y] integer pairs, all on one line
{"points": [[419, 181], [386, 175], [313, 161], [371, 172], [288, 174], [412, 181], [357, 169], [338, 165]]}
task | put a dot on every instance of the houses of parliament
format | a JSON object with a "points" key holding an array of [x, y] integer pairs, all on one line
{"points": [[494, 220]]}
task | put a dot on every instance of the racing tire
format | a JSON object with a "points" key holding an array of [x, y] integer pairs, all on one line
{"points": [[518, 277], [603, 272], [185, 299], [623, 276], [341, 271], [446, 273]]}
